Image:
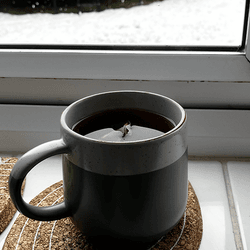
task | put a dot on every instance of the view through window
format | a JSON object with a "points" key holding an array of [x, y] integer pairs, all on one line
{"points": [[122, 22]]}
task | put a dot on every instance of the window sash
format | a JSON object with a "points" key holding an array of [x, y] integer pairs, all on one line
{"points": [[126, 65]]}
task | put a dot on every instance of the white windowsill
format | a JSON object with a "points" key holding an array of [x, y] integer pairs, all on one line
{"points": [[208, 180], [210, 133]]}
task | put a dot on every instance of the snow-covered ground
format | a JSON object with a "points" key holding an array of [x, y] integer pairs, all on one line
{"points": [[169, 22]]}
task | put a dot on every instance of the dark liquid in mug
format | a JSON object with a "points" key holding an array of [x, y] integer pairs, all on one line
{"points": [[116, 118]]}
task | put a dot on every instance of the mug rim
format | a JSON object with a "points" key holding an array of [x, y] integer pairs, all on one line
{"points": [[170, 132]]}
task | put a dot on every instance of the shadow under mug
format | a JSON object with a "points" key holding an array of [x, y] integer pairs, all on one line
{"points": [[127, 194]]}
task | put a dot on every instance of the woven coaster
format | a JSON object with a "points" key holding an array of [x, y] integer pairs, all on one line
{"points": [[7, 208], [30, 234]]}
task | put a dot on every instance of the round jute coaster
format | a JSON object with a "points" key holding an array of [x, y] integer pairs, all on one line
{"points": [[61, 234], [7, 208]]}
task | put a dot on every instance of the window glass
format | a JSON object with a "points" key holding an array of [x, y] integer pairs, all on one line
{"points": [[122, 22]]}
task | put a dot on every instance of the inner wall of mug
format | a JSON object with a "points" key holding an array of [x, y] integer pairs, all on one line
{"points": [[125, 99]]}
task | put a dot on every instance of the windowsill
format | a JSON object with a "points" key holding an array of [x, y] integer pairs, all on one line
{"points": [[207, 176], [218, 133]]}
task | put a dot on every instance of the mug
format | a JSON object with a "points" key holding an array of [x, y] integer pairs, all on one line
{"points": [[126, 193]]}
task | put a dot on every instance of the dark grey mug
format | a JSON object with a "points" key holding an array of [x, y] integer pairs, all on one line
{"points": [[132, 192]]}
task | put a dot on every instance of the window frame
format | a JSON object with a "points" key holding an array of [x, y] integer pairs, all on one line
{"points": [[126, 65]]}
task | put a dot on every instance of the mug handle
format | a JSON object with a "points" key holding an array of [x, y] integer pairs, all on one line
{"points": [[19, 172]]}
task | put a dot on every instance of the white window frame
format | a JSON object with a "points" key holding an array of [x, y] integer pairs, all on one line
{"points": [[198, 79], [126, 65], [183, 71]]}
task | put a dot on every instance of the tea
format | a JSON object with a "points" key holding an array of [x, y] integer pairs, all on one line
{"points": [[116, 118]]}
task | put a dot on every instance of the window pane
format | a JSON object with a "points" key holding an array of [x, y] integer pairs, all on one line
{"points": [[167, 22]]}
